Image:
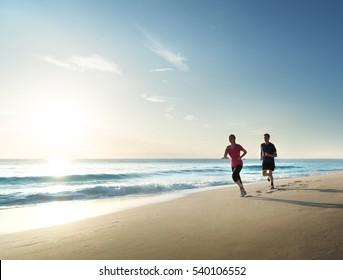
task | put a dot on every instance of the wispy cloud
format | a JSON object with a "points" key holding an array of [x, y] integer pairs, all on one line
{"points": [[191, 118], [84, 63], [154, 98], [95, 62], [162, 70], [59, 63], [174, 58]]}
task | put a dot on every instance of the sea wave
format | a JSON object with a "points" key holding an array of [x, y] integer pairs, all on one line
{"points": [[88, 178], [108, 177], [258, 167], [98, 192], [76, 179]]}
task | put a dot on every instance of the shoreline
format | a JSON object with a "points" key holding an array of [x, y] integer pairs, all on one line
{"points": [[39, 216], [303, 219]]}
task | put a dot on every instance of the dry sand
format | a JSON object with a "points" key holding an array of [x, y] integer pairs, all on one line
{"points": [[302, 219]]}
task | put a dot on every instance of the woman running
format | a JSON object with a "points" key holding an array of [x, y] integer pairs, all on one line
{"points": [[234, 151]]}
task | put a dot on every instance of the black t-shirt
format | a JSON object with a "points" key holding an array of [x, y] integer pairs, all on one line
{"points": [[268, 148]]}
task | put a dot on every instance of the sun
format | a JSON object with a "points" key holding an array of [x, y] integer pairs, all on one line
{"points": [[58, 126], [59, 121]]}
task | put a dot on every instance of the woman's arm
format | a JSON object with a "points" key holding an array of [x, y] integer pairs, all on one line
{"points": [[225, 154], [244, 152]]}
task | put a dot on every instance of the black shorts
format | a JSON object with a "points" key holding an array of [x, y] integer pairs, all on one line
{"points": [[268, 166]]}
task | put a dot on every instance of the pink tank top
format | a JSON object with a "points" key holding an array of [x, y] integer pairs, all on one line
{"points": [[235, 155]]}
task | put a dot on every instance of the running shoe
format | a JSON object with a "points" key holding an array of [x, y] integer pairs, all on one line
{"points": [[243, 192]]}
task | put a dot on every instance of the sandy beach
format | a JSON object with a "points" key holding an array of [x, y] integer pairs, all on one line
{"points": [[301, 220]]}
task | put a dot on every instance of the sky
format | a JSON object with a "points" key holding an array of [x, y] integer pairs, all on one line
{"points": [[170, 79]]}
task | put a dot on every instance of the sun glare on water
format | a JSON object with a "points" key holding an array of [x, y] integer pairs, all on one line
{"points": [[59, 167]]}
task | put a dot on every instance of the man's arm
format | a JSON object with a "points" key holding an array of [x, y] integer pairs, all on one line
{"points": [[261, 154]]}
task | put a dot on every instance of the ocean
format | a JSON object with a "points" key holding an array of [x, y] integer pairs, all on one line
{"points": [[36, 182]]}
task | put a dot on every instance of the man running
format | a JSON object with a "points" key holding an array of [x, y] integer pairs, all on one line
{"points": [[268, 153]]}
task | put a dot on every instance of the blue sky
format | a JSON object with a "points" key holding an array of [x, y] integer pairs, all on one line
{"points": [[170, 79]]}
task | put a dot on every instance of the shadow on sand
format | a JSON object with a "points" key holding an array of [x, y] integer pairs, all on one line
{"points": [[302, 203], [307, 189]]}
